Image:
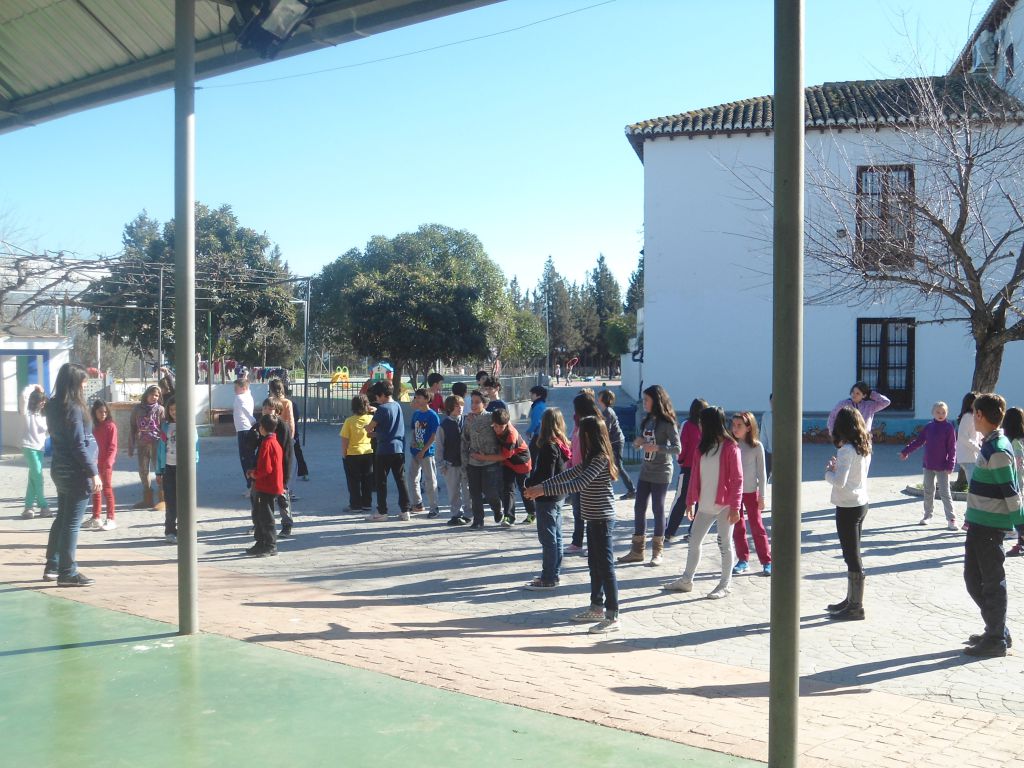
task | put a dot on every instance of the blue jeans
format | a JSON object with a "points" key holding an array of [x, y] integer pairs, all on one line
{"points": [[549, 531], [72, 501], [601, 561], [656, 492], [483, 486]]}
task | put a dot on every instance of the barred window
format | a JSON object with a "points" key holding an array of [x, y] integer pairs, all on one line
{"points": [[885, 224]]}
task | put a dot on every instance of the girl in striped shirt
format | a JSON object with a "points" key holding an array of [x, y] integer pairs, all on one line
{"points": [[592, 478]]}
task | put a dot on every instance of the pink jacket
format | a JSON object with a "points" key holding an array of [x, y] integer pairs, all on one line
{"points": [[730, 478], [689, 439]]}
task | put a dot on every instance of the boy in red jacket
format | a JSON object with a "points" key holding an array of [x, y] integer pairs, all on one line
{"points": [[268, 484], [515, 466]]}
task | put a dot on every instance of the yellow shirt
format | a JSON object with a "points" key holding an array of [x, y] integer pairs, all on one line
{"points": [[354, 430]]}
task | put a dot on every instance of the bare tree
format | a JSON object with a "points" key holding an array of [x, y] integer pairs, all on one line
{"points": [[927, 211]]}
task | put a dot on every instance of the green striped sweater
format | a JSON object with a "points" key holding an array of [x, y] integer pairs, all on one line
{"points": [[994, 496]]}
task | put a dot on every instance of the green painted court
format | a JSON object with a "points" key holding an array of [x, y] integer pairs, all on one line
{"points": [[85, 686]]}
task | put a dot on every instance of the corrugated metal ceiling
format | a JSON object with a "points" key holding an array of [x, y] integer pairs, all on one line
{"points": [[62, 56]]}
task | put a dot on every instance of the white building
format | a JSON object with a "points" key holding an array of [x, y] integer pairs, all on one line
{"points": [[708, 272]]}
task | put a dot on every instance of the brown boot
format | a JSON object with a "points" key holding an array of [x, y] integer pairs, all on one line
{"points": [[657, 547], [147, 499], [160, 504], [636, 553]]}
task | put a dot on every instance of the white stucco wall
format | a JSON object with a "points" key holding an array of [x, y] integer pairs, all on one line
{"points": [[708, 283]]}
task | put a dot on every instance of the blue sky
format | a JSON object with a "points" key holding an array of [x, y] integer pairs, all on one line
{"points": [[517, 138]]}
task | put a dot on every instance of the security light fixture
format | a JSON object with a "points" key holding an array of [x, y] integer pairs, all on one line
{"points": [[266, 25]]}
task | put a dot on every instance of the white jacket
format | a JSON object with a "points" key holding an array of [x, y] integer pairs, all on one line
{"points": [[850, 478], [35, 424], [968, 440]]}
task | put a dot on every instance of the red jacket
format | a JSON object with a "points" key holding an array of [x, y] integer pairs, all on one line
{"points": [[269, 474], [730, 478], [515, 454], [105, 433], [689, 439]]}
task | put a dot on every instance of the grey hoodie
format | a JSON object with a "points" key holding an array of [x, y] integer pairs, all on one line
{"points": [[657, 467], [478, 437]]}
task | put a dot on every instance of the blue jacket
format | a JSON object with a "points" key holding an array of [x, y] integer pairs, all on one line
{"points": [[536, 414], [74, 448]]}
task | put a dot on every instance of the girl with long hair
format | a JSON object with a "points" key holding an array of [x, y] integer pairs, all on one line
{"points": [[689, 439], [553, 451], [33, 443], [74, 471], [659, 441], [277, 389], [105, 431], [968, 439], [847, 472], [143, 436], [717, 484], [583, 405], [755, 481], [592, 479]]}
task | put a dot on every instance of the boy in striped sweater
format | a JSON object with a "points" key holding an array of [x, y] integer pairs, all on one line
{"points": [[993, 507]]}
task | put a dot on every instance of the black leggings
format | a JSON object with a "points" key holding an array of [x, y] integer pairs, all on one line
{"points": [[849, 521]]}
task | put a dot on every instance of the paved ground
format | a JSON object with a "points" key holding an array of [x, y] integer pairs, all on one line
{"points": [[445, 607]]}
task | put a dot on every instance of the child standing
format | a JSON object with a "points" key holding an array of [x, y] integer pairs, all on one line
{"points": [[660, 442], [993, 507], [357, 456], [606, 402], [276, 387], [847, 473], [449, 457], [484, 475], [689, 439], [268, 484], [105, 431], [514, 455], [553, 451], [865, 401], [755, 480], [242, 413], [388, 427], [583, 405], [939, 440], [968, 441], [1013, 429], [33, 442], [143, 437], [538, 404], [434, 383], [592, 478], [425, 423], [717, 484]]}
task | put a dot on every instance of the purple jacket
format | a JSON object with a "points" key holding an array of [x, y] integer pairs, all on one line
{"points": [[868, 407], [939, 441]]}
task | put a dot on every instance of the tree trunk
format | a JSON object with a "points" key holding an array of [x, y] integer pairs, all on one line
{"points": [[988, 359], [396, 378]]}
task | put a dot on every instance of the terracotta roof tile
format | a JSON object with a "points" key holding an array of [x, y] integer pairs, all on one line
{"points": [[855, 104]]}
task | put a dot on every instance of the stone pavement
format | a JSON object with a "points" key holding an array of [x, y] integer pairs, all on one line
{"points": [[444, 607]]}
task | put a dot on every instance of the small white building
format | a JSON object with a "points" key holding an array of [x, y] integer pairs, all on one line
{"points": [[26, 357], [708, 269]]}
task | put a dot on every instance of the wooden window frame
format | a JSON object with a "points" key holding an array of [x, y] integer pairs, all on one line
{"points": [[903, 399], [879, 253]]}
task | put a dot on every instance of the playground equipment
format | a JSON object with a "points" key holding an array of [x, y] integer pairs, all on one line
{"points": [[340, 375]]}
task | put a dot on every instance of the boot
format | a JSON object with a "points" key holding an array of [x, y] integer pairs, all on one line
{"points": [[841, 605], [636, 553], [657, 547], [854, 610], [160, 505], [147, 499]]}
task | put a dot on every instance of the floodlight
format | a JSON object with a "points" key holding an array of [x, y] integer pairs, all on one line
{"points": [[266, 25]]}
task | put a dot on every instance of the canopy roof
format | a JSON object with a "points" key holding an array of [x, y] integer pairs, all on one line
{"points": [[64, 56]]}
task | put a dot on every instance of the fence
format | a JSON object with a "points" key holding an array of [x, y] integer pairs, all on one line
{"points": [[332, 403]]}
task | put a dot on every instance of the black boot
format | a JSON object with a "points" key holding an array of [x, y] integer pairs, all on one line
{"points": [[841, 605], [854, 610]]}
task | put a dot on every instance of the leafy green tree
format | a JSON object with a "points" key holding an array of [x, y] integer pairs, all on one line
{"points": [[239, 278], [587, 321], [617, 334], [607, 302], [635, 289], [564, 338]]}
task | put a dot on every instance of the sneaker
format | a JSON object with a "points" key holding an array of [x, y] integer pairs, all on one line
{"points": [[741, 566], [404, 515], [286, 531], [572, 549], [254, 550], [50, 574], [951, 525], [540, 586], [45, 512], [530, 519], [457, 520], [924, 520], [987, 647], [109, 525], [267, 552], [417, 508], [718, 593], [679, 585], [1014, 551], [171, 538], [92, 524], [377, 517], [591, 615], [766, 569], [498, 516], [28, 514], [507, 521], [81, 580], [433, 513], [606, 625], [627, 496], [305, 478], [476, 526], [965, 526], [975, 639], [686, 538]]}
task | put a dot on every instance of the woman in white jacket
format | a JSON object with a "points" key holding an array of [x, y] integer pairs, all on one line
{"points": [[33, 401]]}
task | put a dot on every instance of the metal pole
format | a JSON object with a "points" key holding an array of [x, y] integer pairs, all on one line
{"points": [[160, 325], [209, 366], [305, 363], [185, 308], [787, 385]]}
